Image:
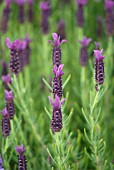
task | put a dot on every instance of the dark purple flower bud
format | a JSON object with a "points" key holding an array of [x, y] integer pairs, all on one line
{"points": [[5, 19], [5, 123], [21, 10], [79, 14], [56, 51], [30, 10], [1, 167], [109, 5], [46, 10], [10, 103], [57, 82], [22, 162], [99, 67], [83, 51], [97, 45], [56, 123], [61, 29], [6, 80], [15, 47], [27, 50], [4, 68]]}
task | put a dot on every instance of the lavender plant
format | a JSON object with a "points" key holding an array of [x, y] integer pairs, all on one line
{"points": [[6, 127], [21, 14], [46, 10], [22, 162], [1, 167], [5, 16], [10, 103], [30, 10], [79, 14], [109, 4], [83, 51], [99, 68]]}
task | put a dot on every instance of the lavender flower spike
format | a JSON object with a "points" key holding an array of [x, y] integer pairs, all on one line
{"points": [[109, 5], [1, 168], [85, 42], [14, 55], [46, 10], [10, 103], [5, 123], [58, 70], [79, 13], [83, 51], [21, 10], [56, 51], [57, 82], [56, 123], [22, 162], [99, 67], [97, 45]]}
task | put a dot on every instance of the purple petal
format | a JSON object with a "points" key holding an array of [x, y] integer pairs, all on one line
{"points": [[8, 43], [98, 54], [63, 100], [50, 100], [4, 112]]}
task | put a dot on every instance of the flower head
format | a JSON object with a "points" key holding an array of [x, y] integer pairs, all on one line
{"points": [[8, 2], [20, 150], [56, 40], [97, 45], [6, 79], [8, 95], [56, 103], [58, 70], [45, 6], [14, 45], [4, 112], [20, 2], [98, 55], [81, 2], [85, 42], [109, 4]]}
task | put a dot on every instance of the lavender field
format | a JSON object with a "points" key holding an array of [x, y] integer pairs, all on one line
{"points": [[57, 85]]}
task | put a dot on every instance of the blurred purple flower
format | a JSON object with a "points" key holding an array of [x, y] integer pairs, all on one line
{"points": [[1, 167], [4, 68], [85, 42], [56, 51], [5, 123], [15, 48], [81, 2], [22, 162], [109, 5], [56, 123], [83, 51], [99, 29], [5, 17], [21, 14], [10, 103], [80, 11], [30, 2], [46, 10], [61, 29], [7, 79], [97, 45], [99, 67]]}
